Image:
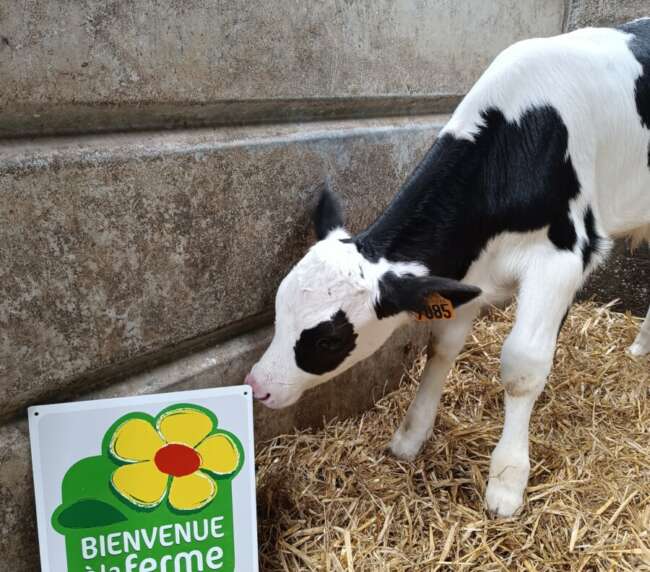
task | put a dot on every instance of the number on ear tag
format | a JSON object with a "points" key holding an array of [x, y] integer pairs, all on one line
{"points": [[438, 308]]}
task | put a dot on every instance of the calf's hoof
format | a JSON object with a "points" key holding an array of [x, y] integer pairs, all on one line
{"points": [[637, 349], [503, 500], [403, 447]]}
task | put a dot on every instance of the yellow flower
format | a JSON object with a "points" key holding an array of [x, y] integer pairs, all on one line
{"points": [[176, 457]]}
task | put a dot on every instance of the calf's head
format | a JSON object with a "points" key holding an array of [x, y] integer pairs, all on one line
{"points": [[336, 307]]}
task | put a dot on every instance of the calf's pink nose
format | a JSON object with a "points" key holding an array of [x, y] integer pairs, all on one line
{"points": [[250, 380], [258, 393]]}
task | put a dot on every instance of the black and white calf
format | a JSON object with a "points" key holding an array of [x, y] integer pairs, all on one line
{"points": [[544, 161]]}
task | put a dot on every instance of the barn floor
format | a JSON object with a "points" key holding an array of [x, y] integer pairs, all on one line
{"points": [[333, 499]]}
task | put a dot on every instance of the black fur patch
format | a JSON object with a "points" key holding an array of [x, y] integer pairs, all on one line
{"points": [[640, 47], [512, 177], [409, 293], [562, 232], [327, 215], [325, 346], [593, 240]]}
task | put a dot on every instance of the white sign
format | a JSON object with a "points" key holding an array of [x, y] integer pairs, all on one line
{"points": [[156, 483]]}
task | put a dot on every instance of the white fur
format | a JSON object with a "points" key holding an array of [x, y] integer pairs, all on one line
{"points": [[641, 345], [588, 76], [581, 74]]}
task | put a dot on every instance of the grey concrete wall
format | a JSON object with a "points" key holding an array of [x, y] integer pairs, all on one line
{"points": [[583, 13], [119, 246], [91, 64], [120, 249], [146, 261]]}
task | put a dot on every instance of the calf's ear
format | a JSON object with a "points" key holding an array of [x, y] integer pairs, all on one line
{"points": [[327, 215], [410, 293]]}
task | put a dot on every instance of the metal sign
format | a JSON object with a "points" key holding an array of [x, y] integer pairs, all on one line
{"points": [[156, 483]]}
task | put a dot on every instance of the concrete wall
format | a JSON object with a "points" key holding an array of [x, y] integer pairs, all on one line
{"points": [[125, 250], [120, 246], [96, 65], [156, 172], [583, 13]]}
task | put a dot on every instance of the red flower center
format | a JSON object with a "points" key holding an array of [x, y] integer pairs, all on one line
{"points": [[177, 460]]}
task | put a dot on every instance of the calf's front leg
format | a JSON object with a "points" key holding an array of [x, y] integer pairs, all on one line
{"points": [[418, 422], [526, 360]]}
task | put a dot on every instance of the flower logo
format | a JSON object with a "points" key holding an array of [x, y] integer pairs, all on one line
{"points": [[180, 455]]}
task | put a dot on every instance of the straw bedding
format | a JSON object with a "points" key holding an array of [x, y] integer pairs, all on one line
{"points": [[334, 499]]}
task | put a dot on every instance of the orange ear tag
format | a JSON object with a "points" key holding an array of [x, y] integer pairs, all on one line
{"points": [[438, 308]]}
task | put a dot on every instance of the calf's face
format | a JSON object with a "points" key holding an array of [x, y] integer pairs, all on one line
{"points": [[335, 308]]}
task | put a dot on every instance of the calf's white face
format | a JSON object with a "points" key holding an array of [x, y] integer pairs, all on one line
{"points": [[335, 308], [325, 322]]}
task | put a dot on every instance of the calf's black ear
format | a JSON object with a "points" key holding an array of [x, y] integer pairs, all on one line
{"points": [[327, 215], [409, 293]]}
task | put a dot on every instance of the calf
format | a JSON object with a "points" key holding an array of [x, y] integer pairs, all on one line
{"points": [[544, 161]]}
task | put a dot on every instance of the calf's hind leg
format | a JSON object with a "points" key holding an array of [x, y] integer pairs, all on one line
{"points": [[641, 345], [546, 292]]}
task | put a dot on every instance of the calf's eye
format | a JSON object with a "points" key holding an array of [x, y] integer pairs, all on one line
{"points": [[330, 344], [324, 347]]}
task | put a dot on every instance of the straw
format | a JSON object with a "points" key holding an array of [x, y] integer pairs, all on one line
{"points": [[333, 499]]}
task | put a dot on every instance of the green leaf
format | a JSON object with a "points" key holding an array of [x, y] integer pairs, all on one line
{"points": [[89, 513]]}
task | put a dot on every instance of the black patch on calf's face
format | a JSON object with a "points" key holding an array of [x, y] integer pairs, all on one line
{"points": [[513, 177], [324, 347], [640, 46]]}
